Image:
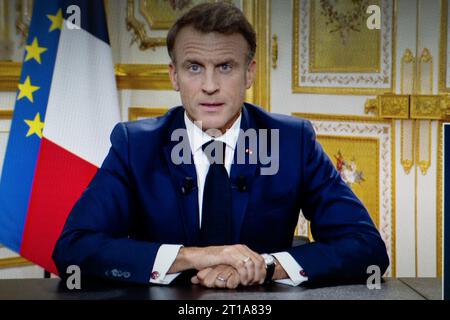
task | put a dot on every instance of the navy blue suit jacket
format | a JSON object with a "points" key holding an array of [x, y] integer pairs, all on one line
{"points": [[135, 203]]}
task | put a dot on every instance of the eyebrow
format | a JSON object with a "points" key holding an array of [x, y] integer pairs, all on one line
{"points": [[191, 61], [225, 61]]}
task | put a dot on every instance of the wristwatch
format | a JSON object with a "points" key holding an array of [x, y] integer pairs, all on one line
{"points": [[270, 262]]}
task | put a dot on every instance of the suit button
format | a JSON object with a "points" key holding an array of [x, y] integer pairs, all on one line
{"points": [[155, 275]]}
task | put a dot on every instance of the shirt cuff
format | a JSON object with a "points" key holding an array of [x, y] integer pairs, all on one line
{"points": [[167, 253], [293, 269]]}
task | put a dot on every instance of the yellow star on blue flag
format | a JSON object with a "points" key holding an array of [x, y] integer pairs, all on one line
{"points": [[34, 51], [26, 89], [57, 21], [35, 126]]}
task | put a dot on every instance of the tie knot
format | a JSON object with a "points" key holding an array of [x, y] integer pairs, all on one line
{"points": [[214, 151]]}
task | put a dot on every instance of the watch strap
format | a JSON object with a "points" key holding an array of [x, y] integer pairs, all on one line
{"points": [[270, 270]]}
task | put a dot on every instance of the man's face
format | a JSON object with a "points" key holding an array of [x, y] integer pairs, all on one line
{"points": [[212, 73]]}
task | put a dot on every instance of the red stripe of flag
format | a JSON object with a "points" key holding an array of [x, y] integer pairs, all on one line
{"points": [[59, 180]]}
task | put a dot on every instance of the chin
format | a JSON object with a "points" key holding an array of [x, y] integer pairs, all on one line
{"points": [[214, 122], [212, 125]]}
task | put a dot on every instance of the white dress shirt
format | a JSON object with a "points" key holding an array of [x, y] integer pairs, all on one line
{"points": [[167, 253]]}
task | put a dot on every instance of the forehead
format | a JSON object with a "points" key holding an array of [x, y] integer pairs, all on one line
{"points": [[191, 43]]}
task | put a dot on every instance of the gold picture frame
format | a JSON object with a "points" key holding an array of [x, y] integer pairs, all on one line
{"points": [[376, 79]]}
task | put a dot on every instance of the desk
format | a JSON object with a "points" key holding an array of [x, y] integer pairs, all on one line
{"points": [[54, 289]]}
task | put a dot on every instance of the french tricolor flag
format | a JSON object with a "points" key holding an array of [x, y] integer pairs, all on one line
{"points": [[65, 110]]}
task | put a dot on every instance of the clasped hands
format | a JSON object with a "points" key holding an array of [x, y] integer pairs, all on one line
{"points": [[222, 266]]}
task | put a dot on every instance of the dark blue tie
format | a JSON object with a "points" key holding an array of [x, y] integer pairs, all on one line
{"points": [[216, 211]]}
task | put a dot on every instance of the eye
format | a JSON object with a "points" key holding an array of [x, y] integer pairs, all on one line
{"points": [[195, 68], [226, 67]]}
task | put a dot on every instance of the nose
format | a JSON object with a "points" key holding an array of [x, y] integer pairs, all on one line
{"points": [[210, 83]]}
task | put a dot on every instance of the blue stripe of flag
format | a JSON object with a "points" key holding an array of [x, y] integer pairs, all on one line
{"points": [[22, 152], [93, 17]]}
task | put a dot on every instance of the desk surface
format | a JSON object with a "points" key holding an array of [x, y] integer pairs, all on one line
{"points": [[54, 289]]}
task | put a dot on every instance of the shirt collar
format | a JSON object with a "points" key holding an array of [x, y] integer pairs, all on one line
{"points": [[197, 137]]}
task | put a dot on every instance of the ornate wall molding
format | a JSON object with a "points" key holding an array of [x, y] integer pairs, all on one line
{"points": [[339, 82], [425, 77], [14, 262], [128, 76], [9, 75], [6, 114], [424, 144], [407, 72], [140, 34], [143, 76], [407, 139], [428, 107], [258, 14], [444, 54], [424, 107], [136, 113], [394, 106]]}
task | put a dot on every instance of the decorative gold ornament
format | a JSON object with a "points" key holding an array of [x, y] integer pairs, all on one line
{"points": [[274, 51], [140, 34], [425, 77], [394, 106], [426, 107], [371, 106], [407, 72]]}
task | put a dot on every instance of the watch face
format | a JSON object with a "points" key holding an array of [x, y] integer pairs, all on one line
{"points": [[268, 259]]}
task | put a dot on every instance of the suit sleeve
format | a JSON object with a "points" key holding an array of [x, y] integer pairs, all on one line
{"points": [[346, 241], [96, 234]]}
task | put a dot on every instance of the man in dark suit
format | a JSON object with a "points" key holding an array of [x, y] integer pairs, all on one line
{"points": [[216, 185]]}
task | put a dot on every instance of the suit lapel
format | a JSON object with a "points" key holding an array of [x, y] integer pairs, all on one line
{"points": [[185, 179], [241, 176]]}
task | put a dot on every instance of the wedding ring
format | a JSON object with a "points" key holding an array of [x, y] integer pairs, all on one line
{"points": [[221, 279], [246, 259]]}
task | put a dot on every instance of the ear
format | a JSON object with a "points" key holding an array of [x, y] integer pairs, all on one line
{"points": [[251, 74], [173, 76]]}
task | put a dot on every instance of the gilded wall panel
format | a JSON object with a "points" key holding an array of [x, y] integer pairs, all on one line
{"points": [[335, 51]]}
